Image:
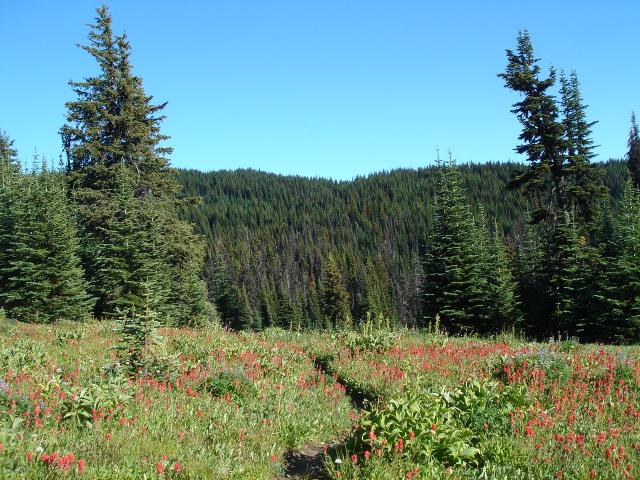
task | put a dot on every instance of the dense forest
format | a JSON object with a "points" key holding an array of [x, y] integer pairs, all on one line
{"points": [[549, 247], [270, 237]]}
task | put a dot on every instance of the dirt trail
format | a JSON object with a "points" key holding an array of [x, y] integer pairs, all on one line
{"points": [[308, 462]]}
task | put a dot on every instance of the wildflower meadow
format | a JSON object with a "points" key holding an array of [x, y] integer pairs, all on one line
{"points": [[384, 404]]}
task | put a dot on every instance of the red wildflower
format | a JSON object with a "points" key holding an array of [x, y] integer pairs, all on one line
{"points": [[399, 446], [176, 467], [80, 467], [159, 467]]}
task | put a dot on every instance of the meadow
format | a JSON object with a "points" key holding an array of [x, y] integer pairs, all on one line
{"points": [[376, 404]]}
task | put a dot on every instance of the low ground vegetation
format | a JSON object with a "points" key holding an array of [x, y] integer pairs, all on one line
{"points": [[235, 405]]}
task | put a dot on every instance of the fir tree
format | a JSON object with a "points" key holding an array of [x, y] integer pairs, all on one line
{"points": [[10, 171], [129, 272], [623, 276], [532, 278], [633, 154], [113, 135], [453, 286], [505, 311], [44, 280], [564, 278], [542, 132], [585, 188], [335, 299], [222, 292]]}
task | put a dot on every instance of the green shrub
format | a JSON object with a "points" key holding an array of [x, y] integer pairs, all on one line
{"points": [[63, 337], [374, 335], [23, 354], [421, 427], [446, 425], [195, 352], [80, 403], [233, 383]]}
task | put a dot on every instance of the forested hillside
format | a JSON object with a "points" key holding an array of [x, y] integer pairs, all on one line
{"points": [[270, 236]]}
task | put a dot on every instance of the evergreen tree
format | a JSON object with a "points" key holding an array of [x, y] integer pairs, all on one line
{"points": [[113, 135], [623, 275], [9, 194], [248, 317], [481, 294], [532, 278], [129, 272], [564, 263], [44, 280], [335, 301], [633, 154], [542, 132], [585, 188], [284, 309], [505, 312], [454, 287], [222, 292]]}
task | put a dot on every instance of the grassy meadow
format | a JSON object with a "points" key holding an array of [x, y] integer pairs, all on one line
{"points": [[377, 404]]}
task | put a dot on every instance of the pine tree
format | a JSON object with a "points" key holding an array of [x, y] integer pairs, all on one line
{"points": [[335, 299], [129, 272], [44, 280], [222, 292], [584, 185], [633, 154], [505, 313], [623, 269], [542, 132], [481, 294], [248, 320], [564, 266], [10, 171], [454, 286], [113, 135], [532, 278]]}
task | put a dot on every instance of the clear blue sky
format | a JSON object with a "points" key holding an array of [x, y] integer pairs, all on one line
{"points": [[329, 88]]}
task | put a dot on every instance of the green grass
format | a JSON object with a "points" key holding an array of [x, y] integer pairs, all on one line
{"points": [[438, 407]]}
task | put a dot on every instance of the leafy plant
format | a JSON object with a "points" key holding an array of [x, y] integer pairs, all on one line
{"points": [[421, 427], [23, 354], [79, 404], [233, 383], [63, 337], [375, 335]]}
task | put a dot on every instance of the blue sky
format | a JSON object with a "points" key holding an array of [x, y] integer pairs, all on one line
{"points": [[333, 88]]}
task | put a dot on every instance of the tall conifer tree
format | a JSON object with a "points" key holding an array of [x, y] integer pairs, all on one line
{"points": [[113, 135], [9, 195], [454, 285], [335, 301], [585, 188], [633, 154], [542, 132], [44, 280]]}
